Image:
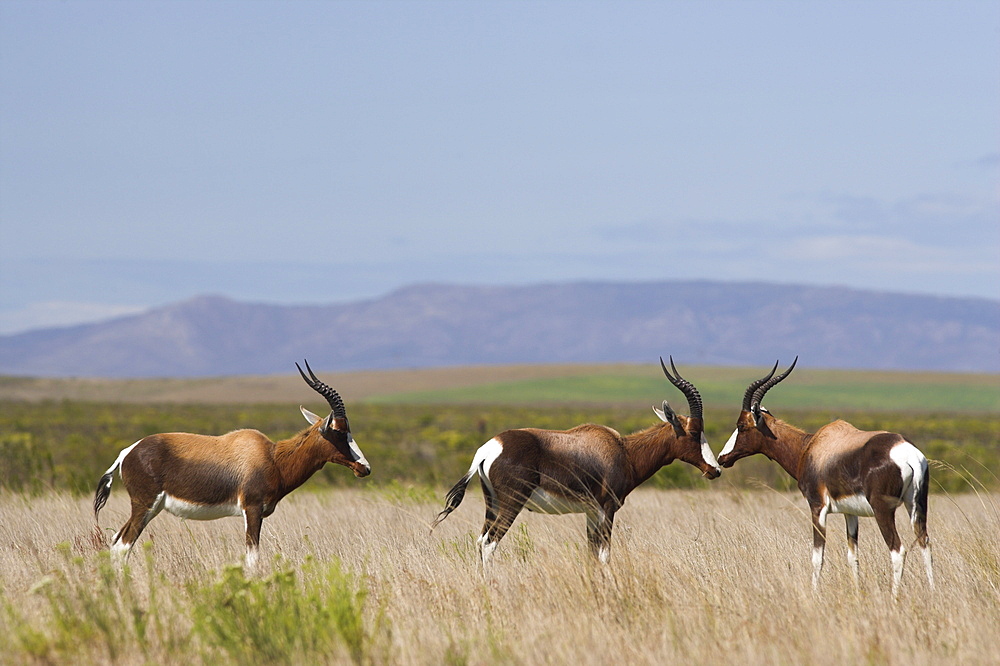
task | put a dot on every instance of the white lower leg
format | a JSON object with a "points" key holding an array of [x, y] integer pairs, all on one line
{"points": [[120, 551], [817, 560], [928, 564], [852, 562], [485, 548], [251, 558], [898, 558]]}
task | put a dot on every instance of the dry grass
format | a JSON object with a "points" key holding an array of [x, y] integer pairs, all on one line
{"points": [[718, 577]]}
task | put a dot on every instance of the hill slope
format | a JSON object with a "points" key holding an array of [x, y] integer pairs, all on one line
{"points": [[705, 323]]}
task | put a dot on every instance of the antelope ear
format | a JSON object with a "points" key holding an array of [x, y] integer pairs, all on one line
{"points": [[312, 418], [667, 414]]}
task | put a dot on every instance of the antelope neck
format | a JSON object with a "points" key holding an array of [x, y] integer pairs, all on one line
{"points": [[787, 447]]}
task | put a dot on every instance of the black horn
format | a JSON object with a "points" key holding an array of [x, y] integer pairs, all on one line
{"points": [[766, 386], [686, 387], [748, 396], [332, 397]]}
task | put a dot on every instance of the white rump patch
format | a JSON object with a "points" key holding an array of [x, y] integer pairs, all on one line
{"points": [[193, 511], [485, 456], [481, 463], [911, 462], [730, 443], [121, 457]]}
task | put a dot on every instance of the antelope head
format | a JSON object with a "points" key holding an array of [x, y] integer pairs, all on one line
{"points": [[753, 434], [335, 429], [692, 445]]}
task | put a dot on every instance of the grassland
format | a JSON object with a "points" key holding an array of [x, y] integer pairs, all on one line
{"points": [[354, 577], [701, 572]]}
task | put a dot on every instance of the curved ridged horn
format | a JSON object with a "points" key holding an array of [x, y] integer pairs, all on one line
{"points": [[332, 397], [748, 396], [766, 386], [686, 387]]}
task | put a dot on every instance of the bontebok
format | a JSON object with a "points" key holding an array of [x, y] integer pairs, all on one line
{"points": [[590, 469], [840, 469], [242, 473]]}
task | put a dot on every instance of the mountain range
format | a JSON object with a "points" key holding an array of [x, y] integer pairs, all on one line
{"points": [[701, 323]]}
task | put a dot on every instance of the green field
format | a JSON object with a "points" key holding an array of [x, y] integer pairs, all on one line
{"points": [[896, 393], [619, 385]]}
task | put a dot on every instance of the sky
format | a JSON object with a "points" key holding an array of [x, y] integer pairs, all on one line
{"points": [[325, 152]]}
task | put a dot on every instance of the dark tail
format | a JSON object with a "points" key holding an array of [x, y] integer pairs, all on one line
{"points": [[103, 491], [920, 503], [453, 498]]}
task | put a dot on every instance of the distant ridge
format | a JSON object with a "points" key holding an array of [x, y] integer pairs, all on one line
{"points": [[705, 323]]}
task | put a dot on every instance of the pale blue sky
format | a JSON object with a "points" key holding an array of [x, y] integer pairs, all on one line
{"points": [[316, 152]]}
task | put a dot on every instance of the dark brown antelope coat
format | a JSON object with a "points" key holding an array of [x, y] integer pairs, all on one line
{"points": [[588, 469]]}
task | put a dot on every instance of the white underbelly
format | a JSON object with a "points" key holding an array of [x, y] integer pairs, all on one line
{"points": [[544, 502], [856, 505], [193, 511]]}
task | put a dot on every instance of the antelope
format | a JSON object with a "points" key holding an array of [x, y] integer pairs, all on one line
{"points": [[840, 469], [244, 473], [588, 469]]}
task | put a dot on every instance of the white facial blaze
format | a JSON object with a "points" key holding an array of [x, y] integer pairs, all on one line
{"points": [[730, 443], [706, 453], [356, 452]]}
